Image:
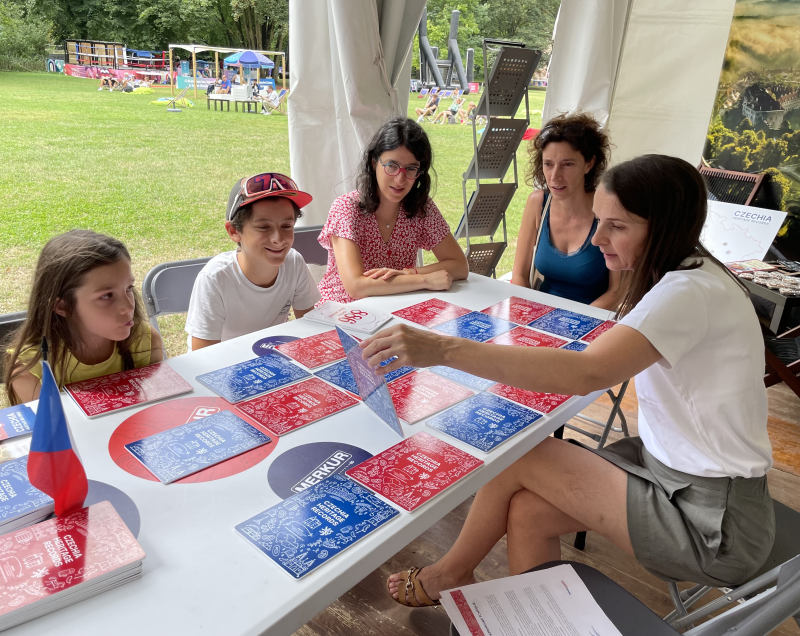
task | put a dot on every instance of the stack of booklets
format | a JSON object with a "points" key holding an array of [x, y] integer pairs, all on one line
{"points": [[62, 561], [16, 421], [346, 317], [124, 390], [21, 504]]}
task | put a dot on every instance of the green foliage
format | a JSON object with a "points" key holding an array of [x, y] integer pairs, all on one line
{"points": [[779, 187], [23, 33]]}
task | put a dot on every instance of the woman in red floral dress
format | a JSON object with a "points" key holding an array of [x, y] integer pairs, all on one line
{"points": [[372, 234]]}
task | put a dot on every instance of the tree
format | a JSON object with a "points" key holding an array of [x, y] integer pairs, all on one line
{"points": [[745, 124], [22, 32], [733, 157], [778, 187], [768, 154]]}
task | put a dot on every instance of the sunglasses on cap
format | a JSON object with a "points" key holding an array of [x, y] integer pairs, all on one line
{"points": [[572, 131], [267, 182], [261, 186]]}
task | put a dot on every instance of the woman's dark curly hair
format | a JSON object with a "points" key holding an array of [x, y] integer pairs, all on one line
{"points": [[398, 131], [592, 143]]}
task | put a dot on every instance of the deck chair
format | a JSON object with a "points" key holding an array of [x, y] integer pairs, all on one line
{"points": [[281, 101], [172, 105], [422, 93], [783, 359], [434, 90], [446, 94]]}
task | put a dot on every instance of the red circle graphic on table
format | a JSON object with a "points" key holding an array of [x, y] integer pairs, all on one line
{"points": [[167, 415]]}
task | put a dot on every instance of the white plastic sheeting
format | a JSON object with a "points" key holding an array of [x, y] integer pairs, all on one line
{"points": [[647, 68], [350, 72]]}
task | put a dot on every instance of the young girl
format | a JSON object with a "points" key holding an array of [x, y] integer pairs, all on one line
{"points": [[372, 234], [84, 302]]}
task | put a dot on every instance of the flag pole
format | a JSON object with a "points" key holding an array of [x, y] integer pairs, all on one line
{"points": [[45, 349]]}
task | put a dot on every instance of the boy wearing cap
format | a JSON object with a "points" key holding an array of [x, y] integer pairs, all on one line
{"points": [[254, 286]]}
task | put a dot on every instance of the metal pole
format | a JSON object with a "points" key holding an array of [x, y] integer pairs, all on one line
{"points": [[171, 83], [216, 63], [194, 71]]}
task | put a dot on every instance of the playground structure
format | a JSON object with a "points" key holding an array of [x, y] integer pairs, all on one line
{"points": [[431, 68]]}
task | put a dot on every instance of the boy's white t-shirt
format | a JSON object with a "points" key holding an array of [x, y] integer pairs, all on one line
{"points": [[225, 304], [703, 406]]}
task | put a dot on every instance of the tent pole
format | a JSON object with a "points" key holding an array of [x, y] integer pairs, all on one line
{"points": [[283, 75], [216, 61], [171, 84], [194, 70]]}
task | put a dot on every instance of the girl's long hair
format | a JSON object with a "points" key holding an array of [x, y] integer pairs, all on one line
{"points": [[60, 271], [671, 195], [398, 131]]}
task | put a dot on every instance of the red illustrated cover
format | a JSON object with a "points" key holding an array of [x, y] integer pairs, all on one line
{"points": [[415, 470], [53, 556], [314, 351], [598, 331], [431, 312], [291, 407], [126, 389], [518, 310], [421, 394], [524, 337], [542, 402]]}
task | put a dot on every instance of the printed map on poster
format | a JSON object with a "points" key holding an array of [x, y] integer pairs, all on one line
{"points": [[738, 233]]}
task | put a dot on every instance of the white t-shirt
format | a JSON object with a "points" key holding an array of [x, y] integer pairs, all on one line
{"points": [[703, 406], [225, 304]]}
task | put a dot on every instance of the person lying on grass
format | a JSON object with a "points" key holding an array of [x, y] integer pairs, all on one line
{"points": [[84, 302], [254, 286], [373, 233]]}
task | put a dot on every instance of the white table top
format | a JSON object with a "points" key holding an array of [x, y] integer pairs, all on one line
{"points": [[199, 576]]}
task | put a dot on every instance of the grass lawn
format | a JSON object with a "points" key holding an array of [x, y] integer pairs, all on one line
{"points": [[74, 157]]}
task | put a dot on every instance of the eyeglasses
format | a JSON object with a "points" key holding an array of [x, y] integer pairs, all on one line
{"points": [[267, 182], [392, 169], [570, 130]]}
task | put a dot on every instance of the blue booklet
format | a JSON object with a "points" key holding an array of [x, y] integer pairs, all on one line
{"points": [[18, 498], [462, 377], [371, 387], [187, 449], [310, 528], [566, 323], [253, 377], [484, 421], [16, 421], [475, 326], [341, 375], [575, 346]]}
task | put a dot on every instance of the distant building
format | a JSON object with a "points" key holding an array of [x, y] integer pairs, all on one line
{"points": [[758, 105]]}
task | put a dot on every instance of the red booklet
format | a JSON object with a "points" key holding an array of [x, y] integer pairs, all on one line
{"points": [[415, 470], [421, 394], [518, 310], [431, 312], [314, 351], [598, 331], [75, 556], [524, 337], [542, 402], [110, 393], [296, 405]]}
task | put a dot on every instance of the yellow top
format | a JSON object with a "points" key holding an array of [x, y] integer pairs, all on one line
{"points": [[77, 370]]}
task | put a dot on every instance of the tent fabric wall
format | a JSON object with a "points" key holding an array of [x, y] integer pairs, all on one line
{"points": [[350, 72]]}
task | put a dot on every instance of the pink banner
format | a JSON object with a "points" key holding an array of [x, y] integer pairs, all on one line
{"points": [[98, 72]]}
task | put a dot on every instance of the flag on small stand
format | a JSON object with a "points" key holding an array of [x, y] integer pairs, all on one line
{"points": [[53, 465]]}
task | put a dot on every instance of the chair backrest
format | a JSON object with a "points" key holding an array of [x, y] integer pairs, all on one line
{"points": [[423, 92], [167, 288], [728, 186], [305, 242], [9, 323], [434, 90]]}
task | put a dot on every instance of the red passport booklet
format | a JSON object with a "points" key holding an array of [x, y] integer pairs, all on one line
{"points": [[518, 310], [314, 351], [421, 394], [126, 389], [524, 337], [431, 312], [415, 470], [598, 331], [291, 407], [542, 402]]}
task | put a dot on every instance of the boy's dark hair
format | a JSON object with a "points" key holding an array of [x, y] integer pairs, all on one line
{"points": [[245, 213]]}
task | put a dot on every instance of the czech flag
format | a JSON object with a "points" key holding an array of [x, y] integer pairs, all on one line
{"points": [[53, 465]]}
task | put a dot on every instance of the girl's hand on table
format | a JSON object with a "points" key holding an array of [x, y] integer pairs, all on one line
{"points": [[413, 348]]}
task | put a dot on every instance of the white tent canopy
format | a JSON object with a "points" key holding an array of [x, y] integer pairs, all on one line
{"points": [[351, 71]]}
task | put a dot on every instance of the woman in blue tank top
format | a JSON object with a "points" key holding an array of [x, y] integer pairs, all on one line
{"points": [[566, 160]]}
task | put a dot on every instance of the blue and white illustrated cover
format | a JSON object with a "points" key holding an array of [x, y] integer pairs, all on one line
{"points": [[484, 421], [18, 497], [575, 346], [462, 377], [566, 323], [253, 377], [397, 373], [341, 375], [187, 449], [16, 421], [310, 528], [371, 387], [475, 326]]}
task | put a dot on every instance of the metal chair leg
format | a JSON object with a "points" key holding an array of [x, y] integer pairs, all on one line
{"points": [[608, 425]]}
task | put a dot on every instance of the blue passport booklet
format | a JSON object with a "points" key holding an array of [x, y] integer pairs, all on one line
{"points": [[475, 326], [187, 449], [462, 377], [566, 323], [575, 346], [20, 503], [484, 421], [252, 378], [311, 527], [16, 421], [371, 387]]}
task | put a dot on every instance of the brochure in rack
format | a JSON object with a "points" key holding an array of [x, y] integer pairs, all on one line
{"points": [[347, 317]]}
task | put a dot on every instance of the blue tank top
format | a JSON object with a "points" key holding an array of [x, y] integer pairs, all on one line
{"points": [[581, 276]]}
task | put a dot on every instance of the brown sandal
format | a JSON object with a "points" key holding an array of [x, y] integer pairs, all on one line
{"points": [[414, 595]]}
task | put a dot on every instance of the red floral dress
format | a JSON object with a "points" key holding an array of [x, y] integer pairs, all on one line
{"points": [[347, 221]]}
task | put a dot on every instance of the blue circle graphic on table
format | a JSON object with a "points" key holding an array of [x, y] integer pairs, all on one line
{"points": [[126, 509], [266, 346], [302, 466]]}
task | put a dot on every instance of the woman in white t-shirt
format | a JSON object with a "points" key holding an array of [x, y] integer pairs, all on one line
{"points": [[689, 497]]}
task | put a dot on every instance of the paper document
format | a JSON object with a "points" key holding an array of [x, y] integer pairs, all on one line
{"points": [[739, 233], [553, 602]]}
